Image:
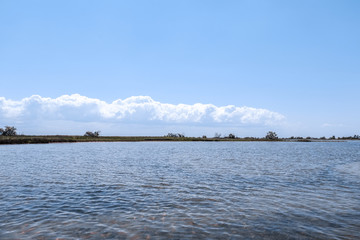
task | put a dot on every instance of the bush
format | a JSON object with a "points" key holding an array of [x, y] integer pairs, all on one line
{"points": [[271, 136], [175, 135], [231, 135], [92, 134], [8, 131]]}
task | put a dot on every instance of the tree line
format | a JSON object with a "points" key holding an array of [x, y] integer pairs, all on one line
{"points": [[270, 136]]}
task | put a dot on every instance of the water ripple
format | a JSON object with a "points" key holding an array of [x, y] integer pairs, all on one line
{"points": [[180, 191]]}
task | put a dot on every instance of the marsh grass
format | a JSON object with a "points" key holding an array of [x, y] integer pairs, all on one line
{"points": [[27, 139]]}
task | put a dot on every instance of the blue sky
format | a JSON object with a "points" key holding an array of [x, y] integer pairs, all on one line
{"points": [[297, 59]]}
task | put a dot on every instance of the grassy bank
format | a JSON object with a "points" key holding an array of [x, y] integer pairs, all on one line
{"points": [[25, 139]]}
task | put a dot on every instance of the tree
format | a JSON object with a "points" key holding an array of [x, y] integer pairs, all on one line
{"points": [[271, 136], [231, 135], [92, 134], [175, 135], [8, 131], [217, 135]]}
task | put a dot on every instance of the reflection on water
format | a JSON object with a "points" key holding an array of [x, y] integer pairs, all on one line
{"points": [[223, 190]]}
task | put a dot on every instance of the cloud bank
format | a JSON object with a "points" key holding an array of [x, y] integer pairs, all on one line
{"points": [[136, 109]]}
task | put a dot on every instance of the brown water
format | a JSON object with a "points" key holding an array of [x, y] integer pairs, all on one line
{"points": [[183, 190]]}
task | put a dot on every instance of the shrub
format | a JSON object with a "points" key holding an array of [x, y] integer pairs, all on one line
{"points": [[92, 134], [231, 135], [271, 136], [175, 135], [8, 131]]}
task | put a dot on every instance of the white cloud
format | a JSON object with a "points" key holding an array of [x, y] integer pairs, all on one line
{"points": [[136, 109], [325, 125]]}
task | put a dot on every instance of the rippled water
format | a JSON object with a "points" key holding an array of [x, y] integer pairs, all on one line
{"points": [[182, 190]]}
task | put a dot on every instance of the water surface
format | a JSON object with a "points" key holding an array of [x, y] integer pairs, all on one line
{"points": [[180, 190]]}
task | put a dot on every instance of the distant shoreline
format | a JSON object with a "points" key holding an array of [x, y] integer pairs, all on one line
{"points": [[26, 139]]}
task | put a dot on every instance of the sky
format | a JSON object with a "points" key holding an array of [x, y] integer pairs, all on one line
{"points": [[193, 67]]}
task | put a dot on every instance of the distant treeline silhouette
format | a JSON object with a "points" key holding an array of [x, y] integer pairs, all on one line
{"points": [[270, 136]]}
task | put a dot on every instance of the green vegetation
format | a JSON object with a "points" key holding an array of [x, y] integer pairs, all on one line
{"points": [[175, 135], [22, 139], [92, 134], [9, 136], [232, 136], [272, 136], [8, 131]]}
